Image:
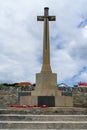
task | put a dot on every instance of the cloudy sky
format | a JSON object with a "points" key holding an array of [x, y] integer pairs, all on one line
{"points": [[21, 40]]}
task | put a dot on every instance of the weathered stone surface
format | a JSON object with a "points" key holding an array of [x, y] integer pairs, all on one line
{"points": [[45, 111], [28, 117], [46, 80], [27, 121], [43, 126], [11, 98], [28, 100], [8, 98], [63, 101], [80, 99]]}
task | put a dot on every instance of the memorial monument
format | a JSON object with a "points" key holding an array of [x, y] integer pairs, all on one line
{"points": [[46, 80], [46, 92]]}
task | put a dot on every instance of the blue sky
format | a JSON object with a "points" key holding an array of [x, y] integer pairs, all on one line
{"points": [[21, 40]]}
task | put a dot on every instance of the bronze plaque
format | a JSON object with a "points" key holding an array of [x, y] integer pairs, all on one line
{"points": [[46, 100]]}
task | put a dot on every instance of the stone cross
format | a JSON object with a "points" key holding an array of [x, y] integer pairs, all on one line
{"points": [[46, 42]]}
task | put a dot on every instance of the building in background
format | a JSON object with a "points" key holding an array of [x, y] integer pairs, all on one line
{"points": [[24, 84], [82, 84]]}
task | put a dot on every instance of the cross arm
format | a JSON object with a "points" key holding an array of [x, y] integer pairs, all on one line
{"points": [[40, 18], [52, 18]]}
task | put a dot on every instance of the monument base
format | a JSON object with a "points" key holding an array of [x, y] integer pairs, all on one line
{"points": [[46, 93], [46, 80], [51, 101], [46, 85]]}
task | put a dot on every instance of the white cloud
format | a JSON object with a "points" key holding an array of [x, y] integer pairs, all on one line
{"points": [[84, 32], [83, 77], [64, 65]]}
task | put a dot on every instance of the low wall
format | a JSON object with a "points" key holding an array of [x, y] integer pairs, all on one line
{"points": [[8, 98], [11, 98], [80, 99]]}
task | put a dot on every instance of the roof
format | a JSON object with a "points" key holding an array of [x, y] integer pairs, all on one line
{"points": [[25, 84], [62, 85], [82, 84]]}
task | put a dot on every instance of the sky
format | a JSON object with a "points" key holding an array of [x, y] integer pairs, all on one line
{"points": [[21, 40]]}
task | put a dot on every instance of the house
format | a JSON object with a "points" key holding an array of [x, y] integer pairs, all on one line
{"points": [[24, 84], [82, 84]]}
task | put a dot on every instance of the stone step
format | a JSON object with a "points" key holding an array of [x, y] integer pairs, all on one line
{"points": [[43, 125], [21, 117], [44, 111], [20, 121], [48, 118]]}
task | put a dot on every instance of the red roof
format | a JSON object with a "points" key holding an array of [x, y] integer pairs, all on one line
{"points": [[24, 84], [82, 84]]}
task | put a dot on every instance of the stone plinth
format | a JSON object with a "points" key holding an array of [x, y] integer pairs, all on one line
{"points": [[29, 100], [46, 84], [63, 101], [46, 92], [60, 101], [46, 80]]}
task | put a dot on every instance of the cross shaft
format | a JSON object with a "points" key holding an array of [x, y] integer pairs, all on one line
{"points": [[46, 42]]}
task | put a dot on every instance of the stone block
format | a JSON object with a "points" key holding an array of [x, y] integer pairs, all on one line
{"points": [[28, 100], [46, 80], [46, 92], [63, 101], [69, 101], [43, 92], [46, 85]]}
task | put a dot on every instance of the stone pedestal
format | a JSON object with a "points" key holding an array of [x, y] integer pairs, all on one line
{"points": [[46, 92], [46, 84], [46, 80]]}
